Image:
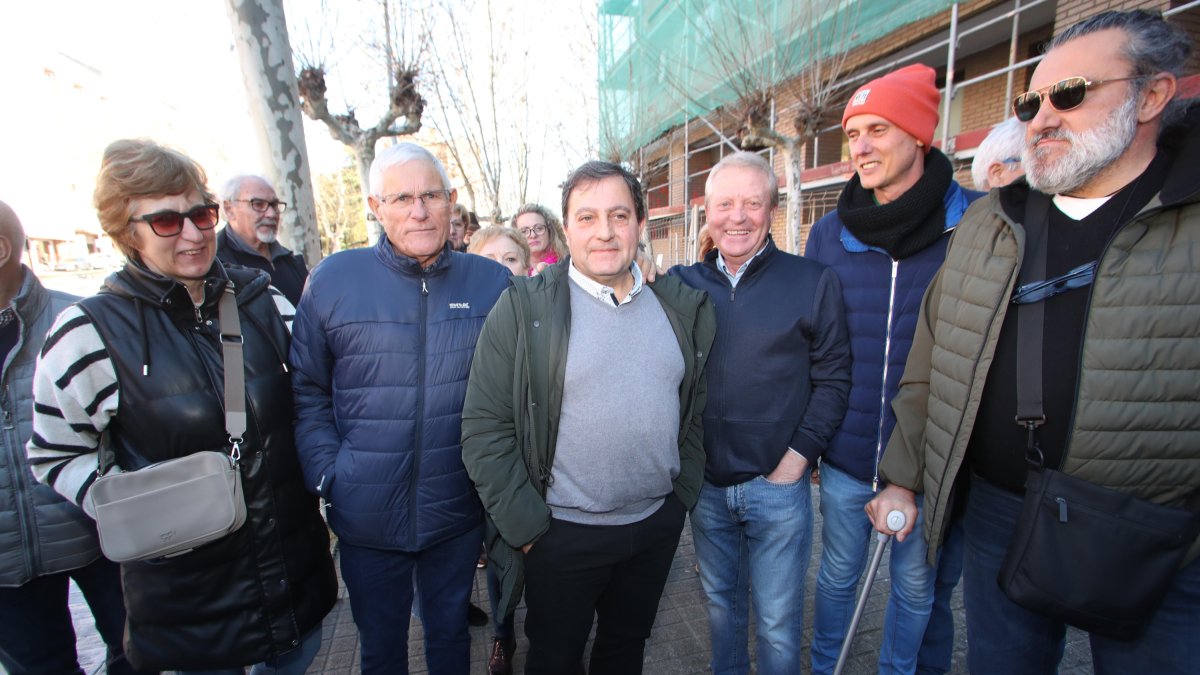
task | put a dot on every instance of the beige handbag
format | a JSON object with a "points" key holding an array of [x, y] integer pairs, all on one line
{"points": [[172, 507]]}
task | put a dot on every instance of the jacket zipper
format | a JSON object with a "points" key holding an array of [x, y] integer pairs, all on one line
{"points": [[887, 351], [420, 416], [24, 498]]}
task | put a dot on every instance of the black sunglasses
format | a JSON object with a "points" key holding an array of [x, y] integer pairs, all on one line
{"points": [[170, 223], [1064, 95], [1038, 291]]}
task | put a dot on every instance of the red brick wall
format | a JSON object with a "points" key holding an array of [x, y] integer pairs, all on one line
{"points": [[984, 103], [1070, 11]]}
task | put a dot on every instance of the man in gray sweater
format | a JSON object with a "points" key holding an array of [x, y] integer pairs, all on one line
{"points": [[582, 432]]}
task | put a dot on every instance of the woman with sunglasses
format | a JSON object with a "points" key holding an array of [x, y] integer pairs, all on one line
{"points": [[138, 368], [544, 232]]}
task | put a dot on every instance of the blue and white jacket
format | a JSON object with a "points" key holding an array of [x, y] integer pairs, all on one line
{"points": [[381, 351], [882, 299]]}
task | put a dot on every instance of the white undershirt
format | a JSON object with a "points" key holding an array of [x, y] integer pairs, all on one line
{"points": [[1078, 208]]}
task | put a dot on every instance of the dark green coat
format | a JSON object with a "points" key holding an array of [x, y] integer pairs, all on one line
{"points": [[514, 396]]}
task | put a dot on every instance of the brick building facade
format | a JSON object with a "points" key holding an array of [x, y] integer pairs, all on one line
{"points": [[675, 165]]}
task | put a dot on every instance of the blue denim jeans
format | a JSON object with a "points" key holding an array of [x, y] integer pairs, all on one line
{"points": [[294, 662], [381, 586], [846, 534], [753, 542], [1003, 637]]}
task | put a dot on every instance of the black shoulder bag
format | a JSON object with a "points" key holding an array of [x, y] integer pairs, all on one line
{"points": [[1092, 557]]}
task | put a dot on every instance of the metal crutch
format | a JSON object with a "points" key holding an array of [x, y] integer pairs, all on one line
{"points": [[895, 523]]}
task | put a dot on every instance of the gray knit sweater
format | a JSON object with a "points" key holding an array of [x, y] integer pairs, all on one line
{"points": [[618, 435]]}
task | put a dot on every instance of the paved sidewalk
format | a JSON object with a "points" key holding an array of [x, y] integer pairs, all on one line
{"points": [[679, 644]]}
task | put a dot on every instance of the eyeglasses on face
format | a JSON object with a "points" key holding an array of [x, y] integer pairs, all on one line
{"points": [[405, 201], [170, 223], [539, 230], [1064, 95], [261, 205]]}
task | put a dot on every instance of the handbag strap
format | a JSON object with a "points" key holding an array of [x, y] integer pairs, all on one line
{"points": [[235, 370], [1030, 320], [235, 383]]}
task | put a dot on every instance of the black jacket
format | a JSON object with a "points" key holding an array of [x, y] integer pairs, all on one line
{"points": [[779, 374], [253, 594], [288, 271]]}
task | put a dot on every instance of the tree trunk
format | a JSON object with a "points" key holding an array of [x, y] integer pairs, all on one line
{"points": [[791, 147], [364, 154], [261, 39]]}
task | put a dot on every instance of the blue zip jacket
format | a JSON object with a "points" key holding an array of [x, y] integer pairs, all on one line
{"points": [[779, 369], [882, 298], [381, 351]]}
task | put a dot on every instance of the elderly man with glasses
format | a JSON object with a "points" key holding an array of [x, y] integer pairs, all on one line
{"points": [[997, 162], [383, 343], [1063, 333], [252, 211]]}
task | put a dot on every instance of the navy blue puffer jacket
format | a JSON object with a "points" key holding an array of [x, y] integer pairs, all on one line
{"points": [[882, 298], [381, 354]]}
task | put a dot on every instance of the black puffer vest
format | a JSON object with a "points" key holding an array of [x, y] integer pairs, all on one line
{"points": [[254, 594]]}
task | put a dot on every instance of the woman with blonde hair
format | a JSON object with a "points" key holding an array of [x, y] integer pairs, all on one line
{"points": [[504, 245], [543, 230]]}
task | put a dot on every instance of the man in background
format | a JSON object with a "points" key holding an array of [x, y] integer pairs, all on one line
{"points": [[45, 541], [250, 238], [998, 160]]}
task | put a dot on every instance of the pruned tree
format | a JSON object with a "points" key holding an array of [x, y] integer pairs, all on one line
{"points": [[759, 49], [402, 48], [261, 39], [478, 103]]}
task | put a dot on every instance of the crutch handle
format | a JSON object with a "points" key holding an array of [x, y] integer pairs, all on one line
{"points": [[895, 523]]}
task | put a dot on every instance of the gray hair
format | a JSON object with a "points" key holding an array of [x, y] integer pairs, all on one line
{"points": [[1154, 46], [233, 187], [1003, 142], [747, 160], [402, 153]]}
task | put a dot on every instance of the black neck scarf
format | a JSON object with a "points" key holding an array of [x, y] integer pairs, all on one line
{"points": [[909, 224]]}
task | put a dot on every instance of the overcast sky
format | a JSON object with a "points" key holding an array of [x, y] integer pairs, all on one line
{"points": [[79, 74]]}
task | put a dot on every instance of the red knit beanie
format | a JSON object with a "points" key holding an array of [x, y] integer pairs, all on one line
{"points": [[907, 98]]}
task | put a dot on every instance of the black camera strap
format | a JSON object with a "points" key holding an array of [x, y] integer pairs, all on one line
{"points": [[1030, 320]]}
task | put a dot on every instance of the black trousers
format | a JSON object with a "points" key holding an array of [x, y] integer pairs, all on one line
{"points": [[36, 631], [615, 573]]}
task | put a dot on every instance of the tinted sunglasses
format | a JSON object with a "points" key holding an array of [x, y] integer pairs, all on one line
{"points": [[1063, 95], [170, 223]]}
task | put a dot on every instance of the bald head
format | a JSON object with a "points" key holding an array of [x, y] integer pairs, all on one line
{"points": [[11, 230]]}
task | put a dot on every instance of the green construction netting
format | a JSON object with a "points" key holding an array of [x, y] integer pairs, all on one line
{"points": [[663, 62]]}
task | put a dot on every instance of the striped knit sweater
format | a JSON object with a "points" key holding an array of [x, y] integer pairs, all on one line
{"points": [[75, 395]]}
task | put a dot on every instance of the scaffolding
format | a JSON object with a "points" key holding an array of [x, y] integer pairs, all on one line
{"points": [[650, 50], [657, 70]]}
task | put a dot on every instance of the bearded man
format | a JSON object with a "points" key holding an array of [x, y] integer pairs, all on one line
{"points": [[1111, 205]]}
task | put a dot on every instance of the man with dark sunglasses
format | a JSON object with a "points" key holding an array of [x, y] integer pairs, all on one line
{"points": [[250, 239], [1110, 205]]}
